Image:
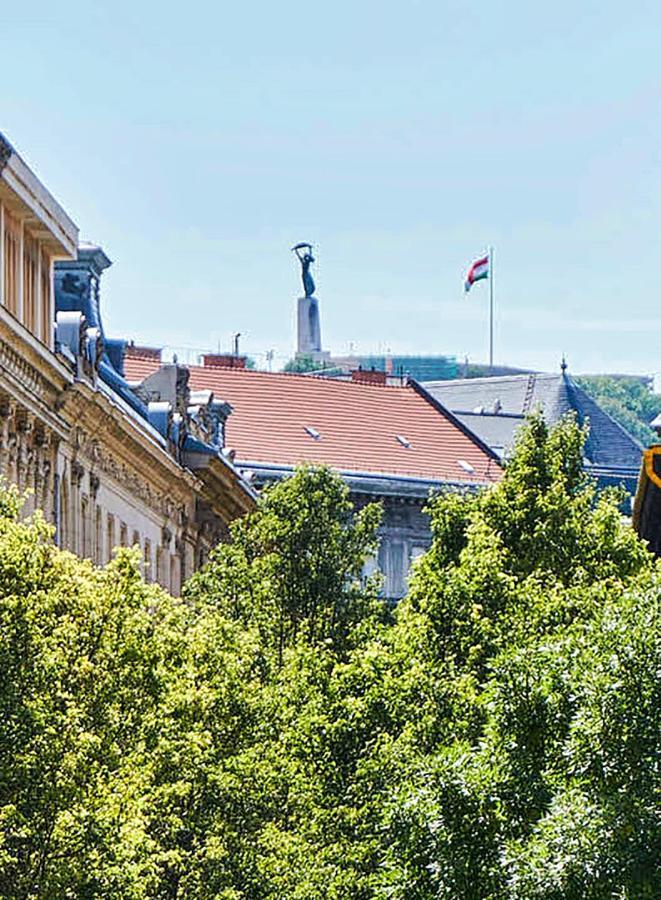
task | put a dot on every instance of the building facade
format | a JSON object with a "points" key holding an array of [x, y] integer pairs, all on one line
{"points": [[106, 468]]}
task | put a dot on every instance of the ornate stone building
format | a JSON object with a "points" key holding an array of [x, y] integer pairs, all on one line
{"points": [[107, 467]]}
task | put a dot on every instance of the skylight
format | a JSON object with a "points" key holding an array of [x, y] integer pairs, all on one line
{"points": [[312, 432], [404, 441], [466, 466]]}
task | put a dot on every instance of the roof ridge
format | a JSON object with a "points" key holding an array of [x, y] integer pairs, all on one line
{"points": [[479, 380], [301, 376]]}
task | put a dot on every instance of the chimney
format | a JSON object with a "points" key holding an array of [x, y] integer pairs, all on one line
{"points": [[223, 361], [373, 376], [135, 351]]}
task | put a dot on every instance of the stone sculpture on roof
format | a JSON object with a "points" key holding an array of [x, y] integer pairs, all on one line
{"points": [[309, 322], [304, 254]]}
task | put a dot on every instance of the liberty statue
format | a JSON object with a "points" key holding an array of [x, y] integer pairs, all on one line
{"points": [[304, 253], [309, 326]]}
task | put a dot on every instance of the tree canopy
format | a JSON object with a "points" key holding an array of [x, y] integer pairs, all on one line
{"points": [[281, 733], [304, 362], [628, 400]]}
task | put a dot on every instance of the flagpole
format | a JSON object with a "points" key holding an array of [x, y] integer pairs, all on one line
{"points": [[491, 310]]}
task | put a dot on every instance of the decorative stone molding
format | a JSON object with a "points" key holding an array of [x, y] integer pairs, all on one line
{"points": [[77, 472], [6, 151]]}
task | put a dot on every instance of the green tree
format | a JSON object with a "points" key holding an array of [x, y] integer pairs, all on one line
{"points": [[539, 777], [281, 734], [84, 655], [236, 778], [304, 363], [295, 564], [628, 400]]}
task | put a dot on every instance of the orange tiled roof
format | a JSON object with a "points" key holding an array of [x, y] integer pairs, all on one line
{"points": [[137, 368], [357, 424]]}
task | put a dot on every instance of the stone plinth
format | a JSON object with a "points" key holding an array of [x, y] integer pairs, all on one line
{"points": [[309, 326]]}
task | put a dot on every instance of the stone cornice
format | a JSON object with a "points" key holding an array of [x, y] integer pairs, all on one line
{"points": [[23, 189], [223, 492], [32, 372], [103, 429]]}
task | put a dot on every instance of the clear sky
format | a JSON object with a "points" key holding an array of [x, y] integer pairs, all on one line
{"points": [[197, 141]]}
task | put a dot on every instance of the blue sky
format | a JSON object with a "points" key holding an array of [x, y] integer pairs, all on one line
{"points": [[198, 141]]}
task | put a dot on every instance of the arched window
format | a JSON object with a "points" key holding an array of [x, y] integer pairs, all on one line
{"points": [[110, 530], [174, 575], [84, 528], [65, 528], [149, 573], [98, 537], [159, 565]]}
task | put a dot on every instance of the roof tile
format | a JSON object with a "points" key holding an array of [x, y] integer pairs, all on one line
{"points": [[276, 416]]}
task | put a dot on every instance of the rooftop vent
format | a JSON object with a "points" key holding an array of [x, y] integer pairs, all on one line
{"points": [[135, 351], [497, 406], [312, 432], [466, 466], [404, 441]]}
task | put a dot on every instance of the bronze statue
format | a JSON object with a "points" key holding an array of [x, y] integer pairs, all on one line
{"points": [[304, 253]]}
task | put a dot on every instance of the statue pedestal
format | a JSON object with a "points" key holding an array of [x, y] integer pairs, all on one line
{"points": [[309, 327]]}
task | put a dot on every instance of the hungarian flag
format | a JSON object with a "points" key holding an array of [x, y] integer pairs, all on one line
{"points": [[478, 271]]}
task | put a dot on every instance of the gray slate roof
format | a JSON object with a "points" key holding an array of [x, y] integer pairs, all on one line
{"points": [[610, 449]]}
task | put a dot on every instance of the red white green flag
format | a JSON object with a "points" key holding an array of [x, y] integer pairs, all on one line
{"points": [[478, 271]]}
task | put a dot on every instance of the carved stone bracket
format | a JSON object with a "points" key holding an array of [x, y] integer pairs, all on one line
{"points": [[77, 472]]}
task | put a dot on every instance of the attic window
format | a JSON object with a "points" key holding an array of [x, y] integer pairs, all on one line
{"points": [[466, 466], [404, 441], [312, 432]]}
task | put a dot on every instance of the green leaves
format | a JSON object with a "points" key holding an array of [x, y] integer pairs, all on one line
{"points": [[295, 564], [281, 734], [628, 400]]}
